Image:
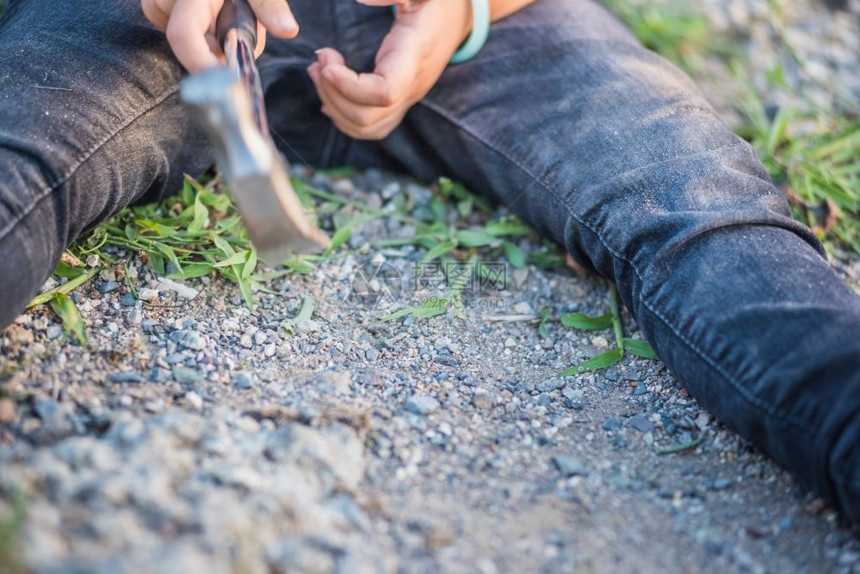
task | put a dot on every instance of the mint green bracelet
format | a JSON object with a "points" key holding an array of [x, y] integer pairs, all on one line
{"points": [[477, 37]]}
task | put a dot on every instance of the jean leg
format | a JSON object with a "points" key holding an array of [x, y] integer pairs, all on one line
{"points": [[611, 151], [90, 122]]}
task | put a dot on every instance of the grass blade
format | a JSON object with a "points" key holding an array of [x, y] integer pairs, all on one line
{"points": [[73, 323], [601, 361], [640, 349], [586, 322]]}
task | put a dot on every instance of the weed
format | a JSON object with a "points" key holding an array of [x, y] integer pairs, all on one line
{"points": [[611, 320]]}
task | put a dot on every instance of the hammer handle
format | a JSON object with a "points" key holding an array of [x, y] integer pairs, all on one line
{"points": [[236, 14]]}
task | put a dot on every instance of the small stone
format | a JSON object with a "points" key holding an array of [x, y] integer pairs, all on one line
{"points": [[422, 404], [92, 260], [599, 341], [8, 411], [703, 420], [147, 294], [481, 399], [510, 343], [612, 423], [641, 423], [260, 338], [245, 341], [107, 286], [640, 390], [20, 335], [127, 300], [127, 377], [187, 376], [194, 401], [569, 465], [243, 381], [160, 375], [54, 332], [193, 340]]}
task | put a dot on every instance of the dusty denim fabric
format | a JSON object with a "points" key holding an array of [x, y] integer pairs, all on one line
{"points": [[594, 141]]}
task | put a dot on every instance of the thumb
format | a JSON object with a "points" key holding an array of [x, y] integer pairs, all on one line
{"points": [[277, 17]]}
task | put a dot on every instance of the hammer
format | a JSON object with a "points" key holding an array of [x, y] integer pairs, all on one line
{"points": [[228, 103]]}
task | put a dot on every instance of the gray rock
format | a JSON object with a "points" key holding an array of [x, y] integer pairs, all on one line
{"points": [[127, 377], [422, 404], [243, 381], [187, 376], [569, 465], [191, 339], [612, 423], [641, 423]]}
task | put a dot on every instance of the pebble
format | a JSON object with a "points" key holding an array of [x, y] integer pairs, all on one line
{"points": [[194, 401], [127, 377], [187, 376], [245, 341], [8, 411], [147, 294], [191, 339], [243, 381], [569, 465], [422, 404]]}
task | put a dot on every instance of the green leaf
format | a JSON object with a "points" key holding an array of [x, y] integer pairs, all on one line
{"points": [[640, 349], [238, 258], [250, 264], [299, 265], [340, 237], [601, 361], [201, 214], [306, 311], [438, 251], [515, 255], [64, 289], [187, 193], [681, 447], [192, 270], [586, 322], [169, 253], [223, 245], [544, 317], [73, 324], [65, 270], [473, 238], [130, 231], [430, 307], [156, 261]]}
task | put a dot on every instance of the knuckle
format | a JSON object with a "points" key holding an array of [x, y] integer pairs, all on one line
{"points": [[364, 118], [387, 97]]}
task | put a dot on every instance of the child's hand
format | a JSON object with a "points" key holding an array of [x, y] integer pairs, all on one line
{"points": [[190, 27], [412, 57]]}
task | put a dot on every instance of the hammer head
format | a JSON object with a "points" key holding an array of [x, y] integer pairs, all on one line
{"points": [[252, 167]]}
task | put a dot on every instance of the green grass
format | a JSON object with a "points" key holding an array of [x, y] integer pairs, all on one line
{"points": [[811, 156]]}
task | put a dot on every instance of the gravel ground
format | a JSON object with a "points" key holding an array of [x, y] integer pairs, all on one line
{"points": [[192, 435]]}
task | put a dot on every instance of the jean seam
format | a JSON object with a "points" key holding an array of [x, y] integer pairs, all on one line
{"points": [[84, 158], [558, 196]]}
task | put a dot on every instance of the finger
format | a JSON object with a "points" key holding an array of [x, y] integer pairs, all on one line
{"points": [[186, 32], [157, 12], [379, 130], [261, 39], [362, 89], [277, 17], [327, 56]]}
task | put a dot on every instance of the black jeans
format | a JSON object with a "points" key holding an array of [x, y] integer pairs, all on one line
{"points": [[588, 137]]}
